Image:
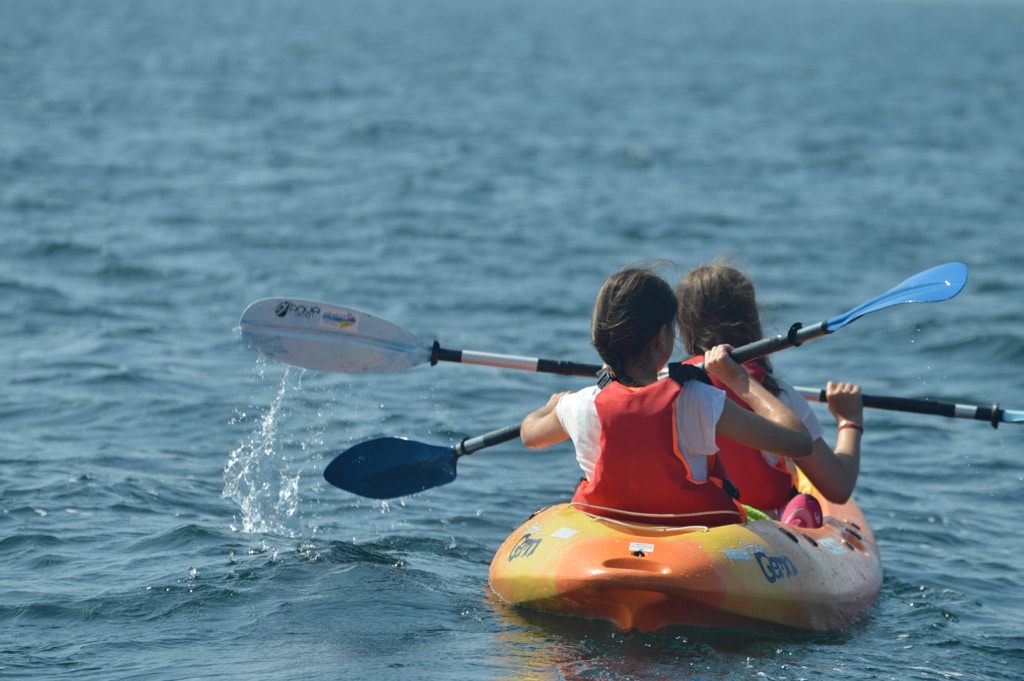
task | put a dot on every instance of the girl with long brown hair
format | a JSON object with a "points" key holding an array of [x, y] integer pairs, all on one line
{"points": [[647, 446], [718, 304]]}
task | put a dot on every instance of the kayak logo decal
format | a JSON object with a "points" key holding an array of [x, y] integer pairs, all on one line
{"points": [[775, 568], [524, 548], [286, 307]]}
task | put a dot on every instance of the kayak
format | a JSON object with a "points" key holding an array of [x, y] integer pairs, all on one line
{"points": [[760, 576]]}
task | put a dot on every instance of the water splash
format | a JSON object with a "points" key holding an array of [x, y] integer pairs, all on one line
{"points": [[264, 474]]}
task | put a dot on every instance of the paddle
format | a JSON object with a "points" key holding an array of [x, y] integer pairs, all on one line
{"points": [[325, 337], [390, 467], [994, 414]]}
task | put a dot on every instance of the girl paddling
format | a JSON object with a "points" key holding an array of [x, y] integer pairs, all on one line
{"points": [[647, 446]]}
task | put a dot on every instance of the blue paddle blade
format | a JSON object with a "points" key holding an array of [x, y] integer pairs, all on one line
{"points": [[931, 286], [389, 467]]}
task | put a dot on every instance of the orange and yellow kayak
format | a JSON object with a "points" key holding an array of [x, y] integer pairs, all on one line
{"points": [[761, 576]]}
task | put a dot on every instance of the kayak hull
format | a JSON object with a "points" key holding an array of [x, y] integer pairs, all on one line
{"points": [[761, 576]]}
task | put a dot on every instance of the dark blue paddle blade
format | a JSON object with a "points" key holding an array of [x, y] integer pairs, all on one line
{"points": [[390, 467], [931, 286]]}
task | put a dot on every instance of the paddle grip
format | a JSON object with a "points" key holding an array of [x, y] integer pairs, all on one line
{"points": [[438, 354], [552, 366], [796, 336]]}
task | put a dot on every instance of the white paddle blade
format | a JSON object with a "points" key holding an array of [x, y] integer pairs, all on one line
{"points": [[324, 337]]}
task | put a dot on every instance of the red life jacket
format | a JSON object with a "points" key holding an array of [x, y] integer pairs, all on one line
{"points": [[640, 469], [761, 484]]}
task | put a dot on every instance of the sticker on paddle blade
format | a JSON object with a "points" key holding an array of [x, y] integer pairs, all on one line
{"points": [[339, 319]]}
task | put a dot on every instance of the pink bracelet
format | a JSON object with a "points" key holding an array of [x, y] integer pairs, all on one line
{"points": [[850, 424]]}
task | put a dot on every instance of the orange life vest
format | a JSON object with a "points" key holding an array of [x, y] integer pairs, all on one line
{"points": [[761, 484], [640, 469]]}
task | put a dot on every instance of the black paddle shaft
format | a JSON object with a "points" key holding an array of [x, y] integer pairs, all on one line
{"points": [[994, 415], [495, 437]]}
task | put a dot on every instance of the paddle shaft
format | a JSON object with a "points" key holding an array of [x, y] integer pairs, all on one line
{"points": [[495, 437], [933, 285], [798, 335], [550, 366], [993, 415]]}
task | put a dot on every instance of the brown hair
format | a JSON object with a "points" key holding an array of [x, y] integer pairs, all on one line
{"points": [[632, 307], [717, 304]]}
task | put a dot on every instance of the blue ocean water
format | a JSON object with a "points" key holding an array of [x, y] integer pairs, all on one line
{"points": [[472, 171]]}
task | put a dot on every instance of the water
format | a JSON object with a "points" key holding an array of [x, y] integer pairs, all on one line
{"points": [[472, 172]]}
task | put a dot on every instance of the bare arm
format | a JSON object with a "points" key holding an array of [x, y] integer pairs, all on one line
{"points": [[542, 428], [834, 473], [772, 426]]}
